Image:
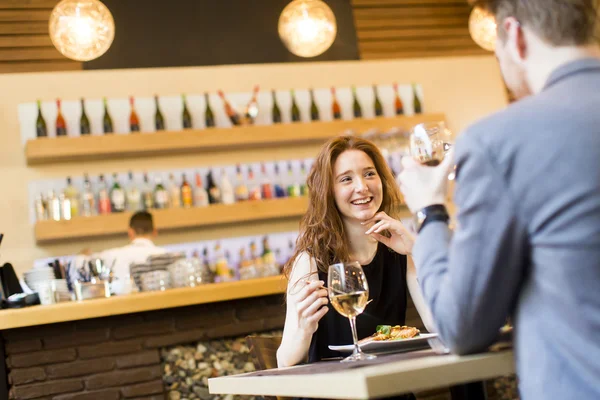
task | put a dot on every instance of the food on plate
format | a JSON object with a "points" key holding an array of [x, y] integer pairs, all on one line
{"points": [[388, 332]]}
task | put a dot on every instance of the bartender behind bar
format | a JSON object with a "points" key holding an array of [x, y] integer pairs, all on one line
{"points": [[141, 232]]}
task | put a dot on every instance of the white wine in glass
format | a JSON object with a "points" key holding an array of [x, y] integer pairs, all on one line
{"points": [[349, 294], [429, 142]]}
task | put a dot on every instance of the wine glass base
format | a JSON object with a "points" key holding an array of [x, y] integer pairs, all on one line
{"points": [[359, 357]]}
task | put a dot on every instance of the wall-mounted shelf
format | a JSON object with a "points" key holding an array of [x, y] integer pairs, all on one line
{"points": [[172, 219], [62, 149]]}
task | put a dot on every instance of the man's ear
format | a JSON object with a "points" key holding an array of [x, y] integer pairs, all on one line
{"points": [[131, 233]]}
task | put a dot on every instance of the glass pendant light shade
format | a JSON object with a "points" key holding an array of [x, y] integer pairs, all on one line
{"points": [[482, 27], [307, 27], [81, 30]]}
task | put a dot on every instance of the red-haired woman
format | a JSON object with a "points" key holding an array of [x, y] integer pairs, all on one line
{"points": [[353, 213]]}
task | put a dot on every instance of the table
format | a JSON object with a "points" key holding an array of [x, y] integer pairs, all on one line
{"points": [[391, 375]]}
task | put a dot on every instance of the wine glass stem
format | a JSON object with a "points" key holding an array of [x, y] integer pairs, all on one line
{"points": [[354, 336]]}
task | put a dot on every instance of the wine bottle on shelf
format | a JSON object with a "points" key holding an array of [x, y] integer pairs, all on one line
{"points": [[356, 109], [134, 121], [65, 206], [61, 125], [377, 105], [256, 259], [209, 116], [214, 194], [278, 185], [295, 109], [254, 192], [147, 194], [88, 198], [416, 102], [293, 186], [161, 196], [134, 196], [54, 206], [241, 190], [40, 123], [103, 197], [72, 194], [227, 192], [275, 111], [187, 197], [229, 110], [117, 196], [200, 194], [268, 258], [186, 117], [159, 120], [335, 106], [107, 123], [174, 192], [252, 108], [84, 121], [303, 186], [221, 266], [398, 105], [266, 187], [314, 110]]}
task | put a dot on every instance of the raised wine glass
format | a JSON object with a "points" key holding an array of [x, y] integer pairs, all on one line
{"points": [[429, 142], [349, 295]]}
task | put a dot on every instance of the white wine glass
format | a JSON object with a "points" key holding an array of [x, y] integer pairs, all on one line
{"points": [[429, 142], [349, 294]]}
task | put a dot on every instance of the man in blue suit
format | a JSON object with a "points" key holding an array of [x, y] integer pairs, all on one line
{"points": [[527, 241]]}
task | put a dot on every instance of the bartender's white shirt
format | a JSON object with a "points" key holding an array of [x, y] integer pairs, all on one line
{"points": [[137, 251]]}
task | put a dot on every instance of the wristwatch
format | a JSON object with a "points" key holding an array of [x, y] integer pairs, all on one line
{"points": [[435, 212]]}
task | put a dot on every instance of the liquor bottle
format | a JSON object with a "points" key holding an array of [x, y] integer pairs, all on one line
{"points": [[84, 122], [209, 117], [356, 109], [229, 110], [41, 208], [61, 125], [275, 111], [187, 197], [186, 117], [54, 209], [221, 265], [88, 198], [246, 270], [147, 194], [252, 108], [174, 193], [256, 260], [103, 197], [266, 187], [398, 106], [107, 123], [295, 110], [416, 102], [378, 107], [241, 190], [335, 106], [72, 194], [303, 186], [254, 192], [134, 196], [293, 186], [214, 194], [161, 196], [268, 258], [200, 194], [117, 196], [40, 123], [65, 206], [314, 110], [227, 192], [134, 121], [278, 186], [159, 120]]}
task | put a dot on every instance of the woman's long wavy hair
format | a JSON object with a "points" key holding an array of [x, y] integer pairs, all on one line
{"points": [[321, 229]]}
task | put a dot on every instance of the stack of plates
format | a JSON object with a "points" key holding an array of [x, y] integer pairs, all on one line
{"points": [[44, 276]]}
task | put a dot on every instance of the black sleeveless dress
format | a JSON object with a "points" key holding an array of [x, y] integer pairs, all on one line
{"points": [[386, 276]]}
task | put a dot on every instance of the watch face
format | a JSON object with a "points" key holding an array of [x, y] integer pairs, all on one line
{"points": [[419, 219]]}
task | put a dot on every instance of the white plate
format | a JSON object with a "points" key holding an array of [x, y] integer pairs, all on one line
{"points": [[387, 345]]}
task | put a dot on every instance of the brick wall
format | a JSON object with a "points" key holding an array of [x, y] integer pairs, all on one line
{"points": [[119, 357]]}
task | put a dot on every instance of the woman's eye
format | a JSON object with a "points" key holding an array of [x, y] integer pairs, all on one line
{"points": [[345, 179], [370, 173]]}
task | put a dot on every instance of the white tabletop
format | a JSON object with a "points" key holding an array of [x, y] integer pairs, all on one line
{"points": [[387, 379]]}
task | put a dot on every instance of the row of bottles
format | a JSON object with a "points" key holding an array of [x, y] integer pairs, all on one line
{"points": [[236, 117], [105, 198]]}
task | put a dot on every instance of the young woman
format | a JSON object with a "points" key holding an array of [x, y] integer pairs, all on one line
{"points": [[352, 215]]}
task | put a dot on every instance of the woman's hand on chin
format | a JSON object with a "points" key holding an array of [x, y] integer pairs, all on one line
{"points": [[401, 240]]}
